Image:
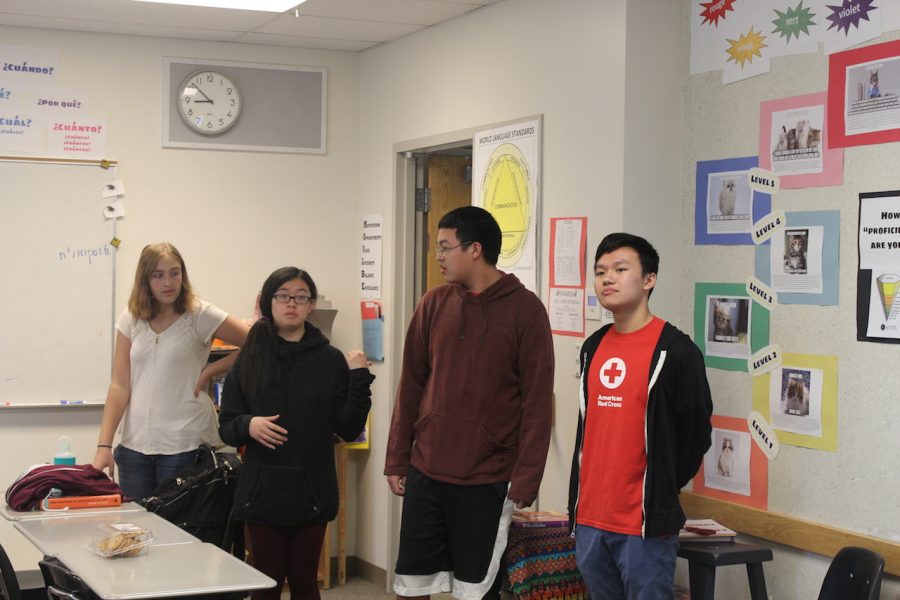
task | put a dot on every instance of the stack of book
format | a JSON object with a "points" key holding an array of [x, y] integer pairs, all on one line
{"points": [[705, 530], [67, 502], [539, 518]]}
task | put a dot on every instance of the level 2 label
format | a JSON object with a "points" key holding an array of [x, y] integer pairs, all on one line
{"points": [[764, 360]]}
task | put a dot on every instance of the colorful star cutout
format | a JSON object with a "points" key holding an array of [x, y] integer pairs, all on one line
{"points": [[744, 49], [793, 22], [715, 10], [849, 13]]}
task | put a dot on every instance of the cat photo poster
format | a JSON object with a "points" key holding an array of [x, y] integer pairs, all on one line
{"points": [[796, 260], [726, 465], [796, 140], [873, 96], [729, 203], [727, 326], [795, 399], [725, 206], [796, 245]]}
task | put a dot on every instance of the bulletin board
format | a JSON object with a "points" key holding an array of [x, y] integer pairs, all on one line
{"points": [[56, 293], [817, 500]]}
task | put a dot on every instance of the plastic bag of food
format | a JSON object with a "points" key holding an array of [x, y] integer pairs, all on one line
{"points": [[120, 540]]}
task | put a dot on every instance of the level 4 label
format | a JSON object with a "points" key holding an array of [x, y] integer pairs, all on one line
{"points": [[767, 226]]}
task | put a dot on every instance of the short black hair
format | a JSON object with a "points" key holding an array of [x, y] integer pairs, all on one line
{"points": [[645, 250], [474, 224]]}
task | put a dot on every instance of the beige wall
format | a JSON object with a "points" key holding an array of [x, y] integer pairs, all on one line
{"points": [[235, 216], [514, 59], [656, 58], [621, 123]]}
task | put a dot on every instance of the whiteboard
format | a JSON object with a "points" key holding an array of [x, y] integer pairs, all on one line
{"points": [[56, 289]]}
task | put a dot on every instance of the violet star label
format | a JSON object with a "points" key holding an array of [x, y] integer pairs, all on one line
{"points": [[850, 12]]}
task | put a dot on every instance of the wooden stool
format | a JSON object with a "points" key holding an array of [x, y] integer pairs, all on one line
{"points": [[703, 558]]}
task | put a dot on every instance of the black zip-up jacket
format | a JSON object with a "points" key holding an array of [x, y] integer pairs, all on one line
{"points": [[317, 396], [678, 428]]}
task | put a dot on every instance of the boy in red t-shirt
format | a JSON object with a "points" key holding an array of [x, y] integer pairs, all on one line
{"points": [[643, 429]]}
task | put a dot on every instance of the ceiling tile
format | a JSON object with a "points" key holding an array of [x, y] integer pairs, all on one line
{"points": [[126, 11], [412, 12], [351, 25], [304, 42], [336, 29]]}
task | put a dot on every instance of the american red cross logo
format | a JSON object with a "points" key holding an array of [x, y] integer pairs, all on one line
{"points": [[612, 373]]}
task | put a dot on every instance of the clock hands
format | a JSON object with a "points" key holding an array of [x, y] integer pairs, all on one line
{"points": [[207, 101]]}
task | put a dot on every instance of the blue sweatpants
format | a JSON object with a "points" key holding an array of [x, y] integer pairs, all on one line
{"points": [[616, 566]]}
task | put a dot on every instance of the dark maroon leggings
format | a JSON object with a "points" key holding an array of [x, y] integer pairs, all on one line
{"points": [[292, 552]]}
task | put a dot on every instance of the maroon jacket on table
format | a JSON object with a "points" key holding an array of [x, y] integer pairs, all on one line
{"points": [[474, 401]]}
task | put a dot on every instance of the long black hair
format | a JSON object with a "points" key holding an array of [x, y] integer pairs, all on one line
{"points": [[256, 367]]}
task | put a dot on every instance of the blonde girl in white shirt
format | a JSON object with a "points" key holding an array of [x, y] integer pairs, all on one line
{"points": [[160, 375]]}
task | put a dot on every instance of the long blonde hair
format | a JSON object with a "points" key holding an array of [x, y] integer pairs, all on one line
{"points": [[141, 303]]}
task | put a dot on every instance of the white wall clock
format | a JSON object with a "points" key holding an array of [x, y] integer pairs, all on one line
{"points": [[209, 102], [251, 107]]}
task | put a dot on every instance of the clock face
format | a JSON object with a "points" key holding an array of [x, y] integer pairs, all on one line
{"points": [[209, 102]]}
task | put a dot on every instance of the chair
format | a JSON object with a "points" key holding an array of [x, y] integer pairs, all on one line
{"points": [[854, 574], [63, 584], [9, 585]]}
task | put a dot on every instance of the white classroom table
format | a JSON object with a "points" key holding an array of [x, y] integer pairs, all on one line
{"points": [[21, 515], [165, 571], [23, 556], [59, 534], [174, 564]]}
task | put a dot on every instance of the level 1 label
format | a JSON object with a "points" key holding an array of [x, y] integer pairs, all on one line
{"points": [[763, 434]]}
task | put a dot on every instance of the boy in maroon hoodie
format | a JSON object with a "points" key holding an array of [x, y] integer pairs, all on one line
{"points": [[471, 423]]}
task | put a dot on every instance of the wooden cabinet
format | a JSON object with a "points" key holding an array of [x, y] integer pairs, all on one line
{"points": [[324, 574]]}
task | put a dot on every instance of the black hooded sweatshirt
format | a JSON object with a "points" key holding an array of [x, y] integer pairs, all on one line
{"points": [[317, 396]]}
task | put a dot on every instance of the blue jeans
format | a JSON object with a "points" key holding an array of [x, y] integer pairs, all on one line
{"points": [[616, 566], [139, 474]]}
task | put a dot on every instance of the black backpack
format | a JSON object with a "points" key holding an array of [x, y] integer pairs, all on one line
{"points": [[199, 499]]}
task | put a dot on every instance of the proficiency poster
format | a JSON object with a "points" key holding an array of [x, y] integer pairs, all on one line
{"points": [[878, 277]]}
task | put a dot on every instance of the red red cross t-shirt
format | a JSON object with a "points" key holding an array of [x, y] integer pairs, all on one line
{"points": [[614, 454]]}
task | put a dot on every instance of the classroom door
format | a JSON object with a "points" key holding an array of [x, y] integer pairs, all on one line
{"points": [[449, 181]]}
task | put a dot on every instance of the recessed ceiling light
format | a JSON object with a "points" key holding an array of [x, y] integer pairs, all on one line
{"points": [[262, 5]]}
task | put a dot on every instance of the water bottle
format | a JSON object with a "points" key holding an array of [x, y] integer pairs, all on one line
{"points": [[64, 454]]}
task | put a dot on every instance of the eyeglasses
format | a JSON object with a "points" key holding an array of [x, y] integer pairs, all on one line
{"points": [[442, 250], [285, 298]]}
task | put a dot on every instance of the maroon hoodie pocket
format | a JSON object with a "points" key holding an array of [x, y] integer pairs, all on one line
{"points": [[460, 449]]}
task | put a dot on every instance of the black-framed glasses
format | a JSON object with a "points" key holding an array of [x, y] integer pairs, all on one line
{"points": [[285, 298], [442, 250]]}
